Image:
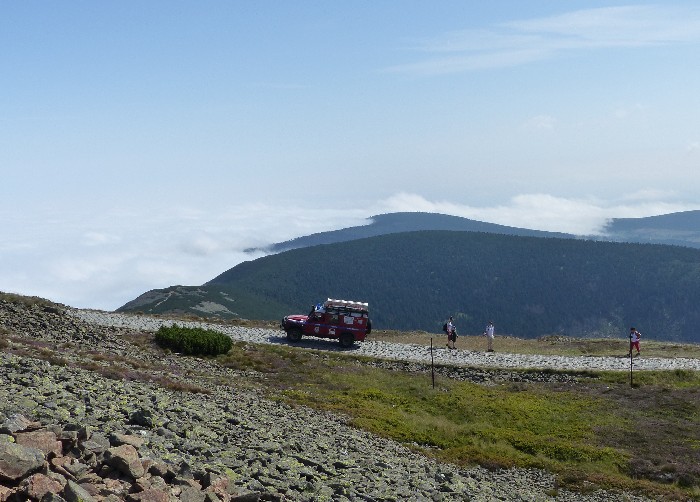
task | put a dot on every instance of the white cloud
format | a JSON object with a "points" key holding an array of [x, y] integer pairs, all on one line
{"points": [[625, 111], [472, 62], [201, 245], [650, 194], [541, 122], [99, 239], [585, 216], [628, 26], [525, 41], [535, 211], [145, 249]]}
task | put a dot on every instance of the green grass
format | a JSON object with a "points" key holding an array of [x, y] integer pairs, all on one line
{"points": [[465, 422], [599, 430]]}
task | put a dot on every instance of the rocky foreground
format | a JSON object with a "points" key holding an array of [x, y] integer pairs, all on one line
{"points": [[85, 414]]}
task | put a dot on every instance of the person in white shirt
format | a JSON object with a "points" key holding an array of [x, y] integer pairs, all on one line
{"points": [[451, 331], [488, 333], [634, 339]]}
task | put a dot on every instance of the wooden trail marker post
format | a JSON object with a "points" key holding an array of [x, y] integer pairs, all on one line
{"points": [[432, 362]]}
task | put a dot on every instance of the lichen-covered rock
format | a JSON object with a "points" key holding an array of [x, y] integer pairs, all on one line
{"points": [[126, 460], [17, 462], [16, 422], [43, 440], [38, 485], [76, 493], [150, 495]]}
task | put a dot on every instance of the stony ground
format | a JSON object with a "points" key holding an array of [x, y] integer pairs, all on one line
{"points": [[87, 415]]}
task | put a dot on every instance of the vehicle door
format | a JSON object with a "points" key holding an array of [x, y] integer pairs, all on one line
{"points": [[324, 325], [314, 324]]}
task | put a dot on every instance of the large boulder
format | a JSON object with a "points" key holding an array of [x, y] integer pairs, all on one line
{"points": [[16, 423], [39, 485], [17, 461], [126, 460], [76, 493], [43, 440]]}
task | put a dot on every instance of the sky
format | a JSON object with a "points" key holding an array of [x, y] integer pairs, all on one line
{"points": [[145, 144]]}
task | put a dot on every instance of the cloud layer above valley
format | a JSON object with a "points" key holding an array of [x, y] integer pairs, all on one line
{"points": [[108, 259]]}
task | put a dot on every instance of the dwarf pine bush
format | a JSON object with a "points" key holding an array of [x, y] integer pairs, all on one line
{"points": [[193, 341]]}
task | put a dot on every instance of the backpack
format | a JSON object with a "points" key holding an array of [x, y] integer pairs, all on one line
{"points": [[444, 327]]}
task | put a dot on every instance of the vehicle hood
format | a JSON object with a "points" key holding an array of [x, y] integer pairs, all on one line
{"points": [[297, 317]]}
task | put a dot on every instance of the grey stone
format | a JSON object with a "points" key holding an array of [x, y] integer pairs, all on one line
{"points": [[125, 459], [17, 462], [211, 497], [143, 417], [53, 497], [120, 439], [77, 469], [246, 497], [96, 444], [43, 440], [15, 423], [73, 492], [192, 494]]}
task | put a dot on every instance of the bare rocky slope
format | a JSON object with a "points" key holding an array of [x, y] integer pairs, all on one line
{"points": [[85, 414]]}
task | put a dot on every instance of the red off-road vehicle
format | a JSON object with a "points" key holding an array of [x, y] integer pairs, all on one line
{"points": [[344, 320]]}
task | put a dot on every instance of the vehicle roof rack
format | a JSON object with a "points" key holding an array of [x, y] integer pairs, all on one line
{"points": [[347, 304]]}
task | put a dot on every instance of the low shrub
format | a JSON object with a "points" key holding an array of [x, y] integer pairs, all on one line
{"points": [[193, 341]]}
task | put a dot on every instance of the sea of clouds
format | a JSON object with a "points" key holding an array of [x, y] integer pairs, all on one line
{"points": [[105, 258]]}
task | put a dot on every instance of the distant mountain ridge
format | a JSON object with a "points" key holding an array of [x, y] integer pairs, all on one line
{"points": [[392, 223], [678, 229]]}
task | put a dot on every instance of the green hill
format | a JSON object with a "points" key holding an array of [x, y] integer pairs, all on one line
{"points": [[528, 286]]}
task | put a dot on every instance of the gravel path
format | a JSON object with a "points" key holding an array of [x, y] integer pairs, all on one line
{"points": [[406, 352]]}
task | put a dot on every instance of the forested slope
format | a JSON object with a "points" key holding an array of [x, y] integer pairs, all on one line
{"points": [[527, 286]]}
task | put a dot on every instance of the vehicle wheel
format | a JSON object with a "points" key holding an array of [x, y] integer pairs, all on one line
{"points": [[293, 335], [346, 340]]}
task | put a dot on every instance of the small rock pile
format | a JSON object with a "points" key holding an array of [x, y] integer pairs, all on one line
{"points": [[73, 463]]}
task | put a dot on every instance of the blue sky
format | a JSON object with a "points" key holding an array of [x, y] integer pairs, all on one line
{"points": [[146, 144]]}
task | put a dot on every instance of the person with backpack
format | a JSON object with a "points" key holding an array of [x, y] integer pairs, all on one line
{"points": [[451, 331]]}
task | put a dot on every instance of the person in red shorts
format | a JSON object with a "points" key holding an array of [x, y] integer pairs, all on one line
{"points": [[634, 339]]}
